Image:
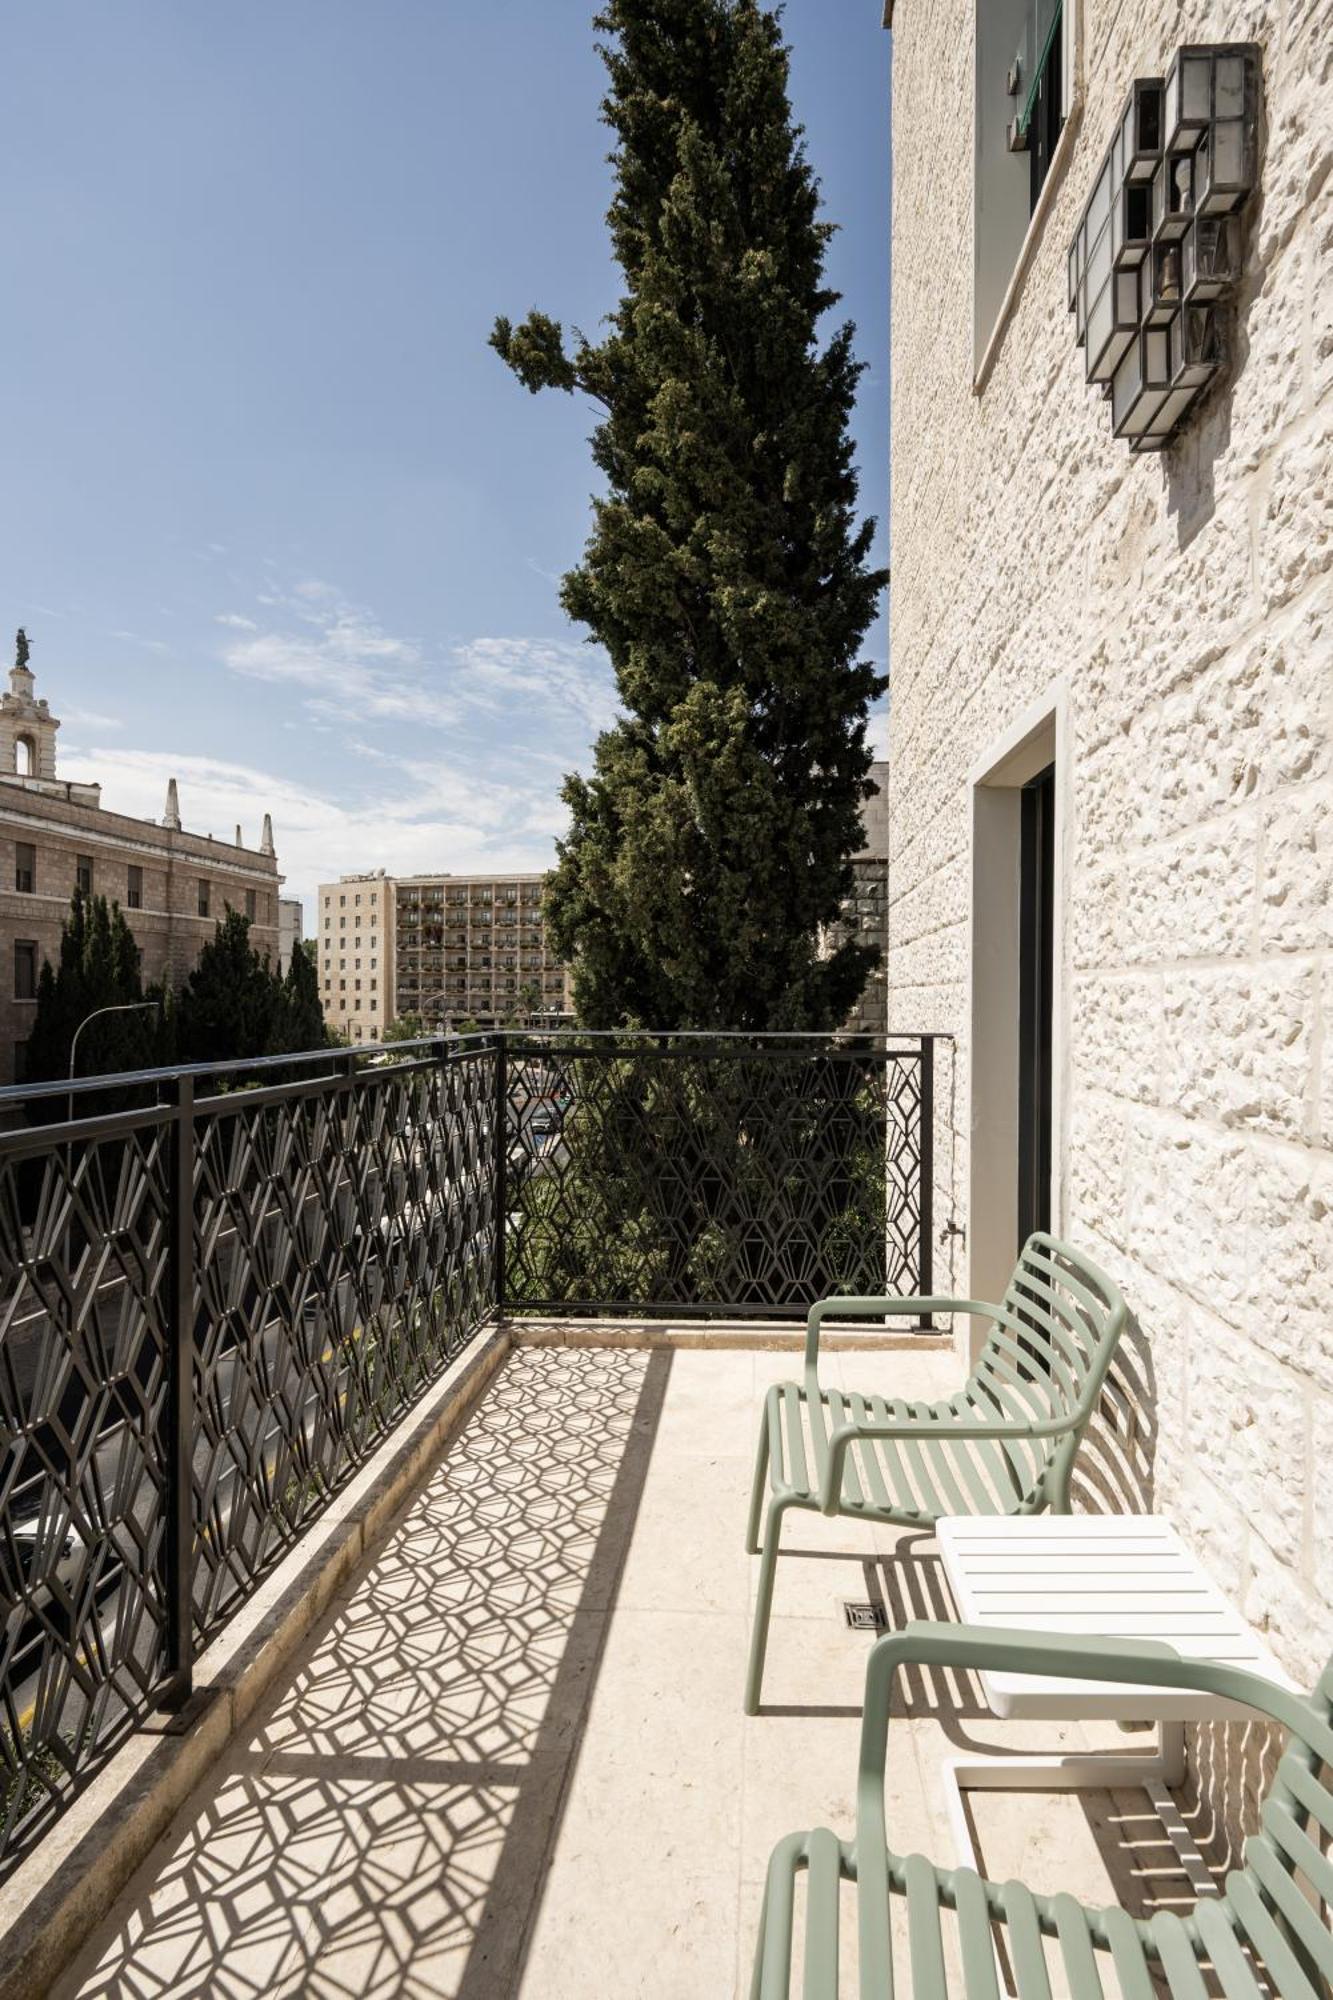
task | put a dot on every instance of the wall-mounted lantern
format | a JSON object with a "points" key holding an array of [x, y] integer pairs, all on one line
{"points": [[1157, 250]]}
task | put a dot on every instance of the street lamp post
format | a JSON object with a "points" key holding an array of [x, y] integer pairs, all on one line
{"points": [[122, 1007]]}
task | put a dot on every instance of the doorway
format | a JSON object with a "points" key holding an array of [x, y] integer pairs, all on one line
{"points": [[1036, 993]]}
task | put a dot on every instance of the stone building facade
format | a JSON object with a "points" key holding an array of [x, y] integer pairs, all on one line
{"points": [[55, 837], [865, 912], [445, 947], [1125, 664]]}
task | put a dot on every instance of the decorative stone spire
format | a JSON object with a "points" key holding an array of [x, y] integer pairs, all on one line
{"points": [[239, 841], [172, 816], [27, 726], [266, 837]]}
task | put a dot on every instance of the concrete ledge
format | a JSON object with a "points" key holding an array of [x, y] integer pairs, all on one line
{"points": [[70, 1880], [779, 1336]]}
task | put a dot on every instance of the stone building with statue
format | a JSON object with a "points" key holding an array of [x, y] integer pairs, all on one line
{"points": [[55, 837], [1111, 751]]}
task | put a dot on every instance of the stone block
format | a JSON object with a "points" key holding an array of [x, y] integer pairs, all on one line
{"points": [[1239, 1044], [1296, 878]]}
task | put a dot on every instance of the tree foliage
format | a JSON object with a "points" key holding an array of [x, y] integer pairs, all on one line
{"points": [[97, 967], [233, 1005], [726, 573]]}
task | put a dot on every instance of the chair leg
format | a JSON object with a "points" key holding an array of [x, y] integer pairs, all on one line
{"points": [[759, 1490], [763, 1605]]}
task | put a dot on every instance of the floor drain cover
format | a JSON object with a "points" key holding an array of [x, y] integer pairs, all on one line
{"points": [[866, 1617]]}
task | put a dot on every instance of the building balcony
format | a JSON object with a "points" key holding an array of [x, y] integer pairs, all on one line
{"points": [[393, 1426]]}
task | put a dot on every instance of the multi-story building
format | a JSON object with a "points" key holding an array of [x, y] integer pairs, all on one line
{"points": [[55, 837], [291, 923], [474, 947], [865, 912], [448, 948], [355, 932], [1111, 749]]}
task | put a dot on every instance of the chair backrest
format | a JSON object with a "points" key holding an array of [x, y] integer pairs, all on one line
{"points": [[1280, 1900], [1047, 1355]]}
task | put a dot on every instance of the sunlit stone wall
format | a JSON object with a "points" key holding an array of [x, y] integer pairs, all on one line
{"points": [[1187, 602]]}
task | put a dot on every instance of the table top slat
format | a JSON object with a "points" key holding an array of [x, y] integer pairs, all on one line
{"points": [[1092, 1575]]}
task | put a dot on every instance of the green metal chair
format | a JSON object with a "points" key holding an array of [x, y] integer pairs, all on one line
{"points": [[1267, 1932], [1004, 1444]]}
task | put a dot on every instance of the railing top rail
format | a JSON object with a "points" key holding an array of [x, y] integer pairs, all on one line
{"points": [[362, 1054]]}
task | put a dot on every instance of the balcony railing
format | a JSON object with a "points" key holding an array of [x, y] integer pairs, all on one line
{"points": [[221, 1288]]}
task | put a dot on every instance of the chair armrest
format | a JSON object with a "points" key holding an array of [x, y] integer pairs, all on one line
{"points": [[872, 1308], [844, 1436], [1132, 1662]]}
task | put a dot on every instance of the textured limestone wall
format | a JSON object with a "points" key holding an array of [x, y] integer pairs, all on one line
{"points": [[1187, 603]]}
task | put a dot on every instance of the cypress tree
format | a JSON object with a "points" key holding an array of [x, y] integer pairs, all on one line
{"points": [[726, 573]]}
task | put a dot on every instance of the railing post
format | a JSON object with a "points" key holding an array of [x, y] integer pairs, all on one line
{"points": [[501, 1162], [180, 1402], [926, 1150]]}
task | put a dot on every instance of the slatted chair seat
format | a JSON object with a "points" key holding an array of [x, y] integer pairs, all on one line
{"points": [[1003, 1444], [1266, 1934]]}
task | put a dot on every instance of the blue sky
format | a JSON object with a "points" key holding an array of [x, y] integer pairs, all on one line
{"points": [[276, 519]]}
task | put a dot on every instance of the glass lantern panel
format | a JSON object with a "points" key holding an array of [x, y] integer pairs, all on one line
{"points": [[1157, 357], [1166, 275], [1214, 248], [1228, 158], [1169, 412], [1194, 90], [1148, 104], [1127, 298], [1099, 263], [1100, 205], [1229, 87]]}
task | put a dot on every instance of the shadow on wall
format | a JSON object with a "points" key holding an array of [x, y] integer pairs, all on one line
{"points": [[1113, 1473]]}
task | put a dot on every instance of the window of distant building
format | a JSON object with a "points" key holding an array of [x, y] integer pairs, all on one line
{"points": [[25, 968], [1023, 68], [25, 867], [83, 874], [251, 904], [342, 902], [134, 889], [203, 896]]}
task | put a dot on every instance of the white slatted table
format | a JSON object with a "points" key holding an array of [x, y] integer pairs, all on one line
{"points": [[1119, 1576]]}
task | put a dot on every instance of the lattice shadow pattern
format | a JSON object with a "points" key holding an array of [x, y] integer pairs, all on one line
{"points": [[340, 1251]]}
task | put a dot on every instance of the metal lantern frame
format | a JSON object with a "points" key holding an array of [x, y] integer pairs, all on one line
{"points": [[1157, 251]]}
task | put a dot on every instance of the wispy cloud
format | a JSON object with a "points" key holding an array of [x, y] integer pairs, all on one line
{"points": [[418, 815], [349, 668], [88, 718]]}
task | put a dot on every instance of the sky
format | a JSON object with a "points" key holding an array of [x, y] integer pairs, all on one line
{"points": [[278, 522]]}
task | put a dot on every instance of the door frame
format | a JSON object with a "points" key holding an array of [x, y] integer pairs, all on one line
{"points": [[1036, 738]]}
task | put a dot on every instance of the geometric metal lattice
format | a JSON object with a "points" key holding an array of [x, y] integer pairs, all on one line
{"points": [[335, 1249], [747, 1175], [84, 1242], [213, 1308], [345, 1251]]}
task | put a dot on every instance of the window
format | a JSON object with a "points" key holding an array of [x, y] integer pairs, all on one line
{"points": [[83, 874], [327, 901], [25, 968], [25, 757], [134, 889], [357, 899], [373, 984], [203, 895], [342, 923], [1022, 67], [342, 902], [25, 867], [250, 904], [20, 1062]]}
